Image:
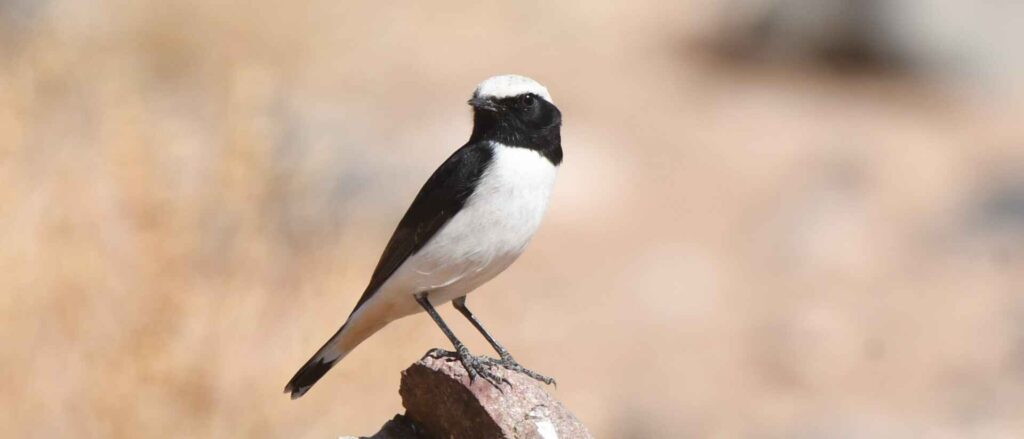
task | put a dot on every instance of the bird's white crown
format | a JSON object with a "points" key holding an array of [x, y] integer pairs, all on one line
{"points": [[505, 86]]}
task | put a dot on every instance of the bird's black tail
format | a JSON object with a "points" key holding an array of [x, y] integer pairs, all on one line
{"points": [[314, 369]]}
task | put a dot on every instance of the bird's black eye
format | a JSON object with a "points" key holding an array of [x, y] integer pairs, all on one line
{"points": [[527, 100]]}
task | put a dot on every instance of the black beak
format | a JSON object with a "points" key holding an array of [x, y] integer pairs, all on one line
{"points": [[481, 103]]}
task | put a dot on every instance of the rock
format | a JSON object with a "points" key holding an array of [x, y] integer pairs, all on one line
{"points": [[440, 402]]}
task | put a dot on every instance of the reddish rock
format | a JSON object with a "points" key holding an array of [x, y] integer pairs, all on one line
{"points": [[438, 395], [441, 403]]}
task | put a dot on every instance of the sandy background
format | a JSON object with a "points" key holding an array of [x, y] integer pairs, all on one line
{"points": [[774, 219]]}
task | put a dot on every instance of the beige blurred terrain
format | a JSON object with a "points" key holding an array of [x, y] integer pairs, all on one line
{"points": [[764, 227]]}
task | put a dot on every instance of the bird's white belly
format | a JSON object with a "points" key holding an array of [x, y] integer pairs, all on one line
{"points": [[488, 234]]}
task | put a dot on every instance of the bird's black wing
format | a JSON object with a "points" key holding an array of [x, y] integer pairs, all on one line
{"points": [[442, 196]]}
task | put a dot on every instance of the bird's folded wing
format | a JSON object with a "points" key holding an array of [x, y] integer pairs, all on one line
{"points": [[441, 197]]}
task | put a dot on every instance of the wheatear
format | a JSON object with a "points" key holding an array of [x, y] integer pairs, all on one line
{"points": [[469, 222]]}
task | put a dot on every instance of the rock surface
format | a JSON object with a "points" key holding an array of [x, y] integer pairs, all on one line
{"points": [[441, 402]]}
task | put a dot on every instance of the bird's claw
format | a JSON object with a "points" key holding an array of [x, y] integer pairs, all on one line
{"points": [[476, 367], [510, 363], [438, 353], [480, 367]]}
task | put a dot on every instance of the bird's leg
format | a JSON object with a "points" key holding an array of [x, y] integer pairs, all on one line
{"points": [[506, 358], [474, 366], [460, 304]]}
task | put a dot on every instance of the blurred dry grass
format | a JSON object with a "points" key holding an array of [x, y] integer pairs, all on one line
{"points": [[192, 195]]}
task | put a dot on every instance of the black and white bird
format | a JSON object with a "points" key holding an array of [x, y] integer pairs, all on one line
{"points": [[470, 221]]}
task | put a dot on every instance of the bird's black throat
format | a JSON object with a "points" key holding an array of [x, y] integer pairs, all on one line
{"points": [[532, 125]]}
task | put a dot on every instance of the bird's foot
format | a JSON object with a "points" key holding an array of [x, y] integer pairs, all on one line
{"points": [[510, 363], [475, 366], [480, 367], [438, 353]]}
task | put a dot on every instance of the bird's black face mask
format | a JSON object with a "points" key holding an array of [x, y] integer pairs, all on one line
{"points": [[526, 121], [524, 111]]}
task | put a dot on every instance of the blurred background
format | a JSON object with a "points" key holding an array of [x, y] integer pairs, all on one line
{"points": [[776, 218]]}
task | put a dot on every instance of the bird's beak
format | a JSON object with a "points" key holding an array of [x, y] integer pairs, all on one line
{"points": [[481, 103]]}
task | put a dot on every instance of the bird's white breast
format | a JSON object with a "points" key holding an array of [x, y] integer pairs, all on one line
{"points": [[493, 227]]}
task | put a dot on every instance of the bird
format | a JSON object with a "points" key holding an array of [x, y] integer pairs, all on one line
{"points": [[470, 221]]}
